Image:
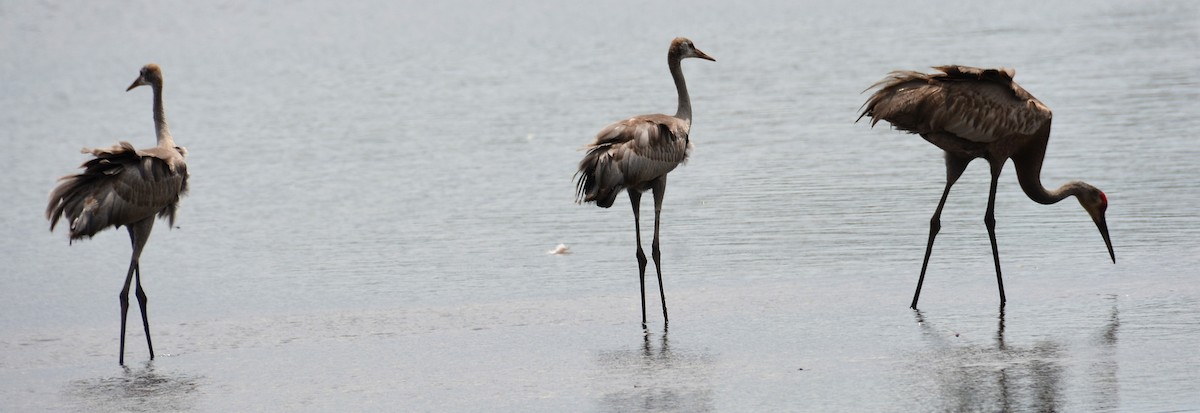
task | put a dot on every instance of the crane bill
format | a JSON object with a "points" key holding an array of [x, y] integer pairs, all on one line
{"points": [[1102, 225]]}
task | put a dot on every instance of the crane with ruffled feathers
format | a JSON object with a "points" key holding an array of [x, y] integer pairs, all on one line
{"points": [[971, 113], [635, 155], [125, 186]]}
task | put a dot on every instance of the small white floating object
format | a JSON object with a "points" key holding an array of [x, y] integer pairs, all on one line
{"points": [[561, 249]]}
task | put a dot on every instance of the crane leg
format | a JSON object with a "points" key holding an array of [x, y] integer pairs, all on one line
{"points": [[124, 297], [954, 169], [660, 188], [989, 219], [635, 199], [139, 232], [141, 296]]}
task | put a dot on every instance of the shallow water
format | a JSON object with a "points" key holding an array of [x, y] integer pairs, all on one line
{"points": [[375, 186]]}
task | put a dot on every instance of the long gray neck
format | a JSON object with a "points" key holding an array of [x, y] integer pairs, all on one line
{"points": [[1033, 188], [685, 102], [1029, 170], [160, 119]]}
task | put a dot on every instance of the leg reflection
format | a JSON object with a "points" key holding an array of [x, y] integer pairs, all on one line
{"points": [[656, 375], [1106, 393], [988, 375]]}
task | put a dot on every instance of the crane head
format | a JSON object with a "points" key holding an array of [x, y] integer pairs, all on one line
{"points": [[151, 74], [683, 48], [1095, 203]]}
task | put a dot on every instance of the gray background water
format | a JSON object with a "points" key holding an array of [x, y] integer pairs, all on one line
{"points": [[375, 185]]}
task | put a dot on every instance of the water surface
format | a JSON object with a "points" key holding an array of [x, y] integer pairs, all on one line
{"points": [[375, 186]]}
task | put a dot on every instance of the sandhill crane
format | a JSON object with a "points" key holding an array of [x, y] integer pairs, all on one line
{"points": [[126, 186], [979, 113], [636, 154]]}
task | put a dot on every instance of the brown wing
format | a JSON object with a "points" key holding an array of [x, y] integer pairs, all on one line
{"points": [[980, 105], [120, 186], [629, 152]]}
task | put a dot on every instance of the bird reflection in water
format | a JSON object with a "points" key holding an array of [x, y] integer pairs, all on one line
{"points": [[1103, 371], [138, 389], [657, 377], [996, 377]]}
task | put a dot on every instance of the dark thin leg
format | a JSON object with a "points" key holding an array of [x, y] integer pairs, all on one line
{"points": [[989, 219], [954, 169], [141, 296], [124, 297], [660, 187], [139, 232], [635, 199]]}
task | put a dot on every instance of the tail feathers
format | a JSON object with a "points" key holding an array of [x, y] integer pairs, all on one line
{"points": [[119, 186], [902, 97], [598, 180], [880, 105], [168, 212], [87, 224], [78, 198], [73, 202]]}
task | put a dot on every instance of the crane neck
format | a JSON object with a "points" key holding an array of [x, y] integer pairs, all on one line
{"points": [[1029, 170], [161, 130], [685, 102]]}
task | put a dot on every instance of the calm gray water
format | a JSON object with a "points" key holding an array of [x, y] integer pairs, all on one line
{"points": [[375, 185]]}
